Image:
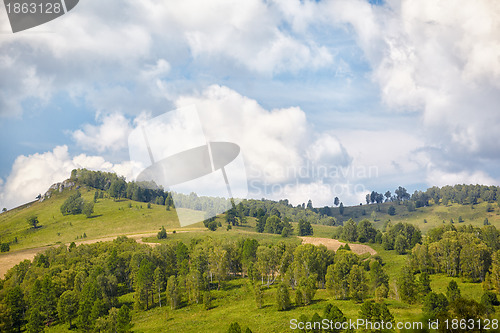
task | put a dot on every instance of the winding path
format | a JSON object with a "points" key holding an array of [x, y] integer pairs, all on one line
{"points": [[333, 244], [10, 259]]}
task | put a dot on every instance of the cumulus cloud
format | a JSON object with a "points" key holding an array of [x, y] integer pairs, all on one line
{"points": [[281, 149], [111, 134], [33, 174], [441, 59], [92, 49], [441, 178]]}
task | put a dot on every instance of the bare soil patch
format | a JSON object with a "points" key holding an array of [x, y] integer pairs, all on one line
{"points": [[10, 259], [333, 244]]}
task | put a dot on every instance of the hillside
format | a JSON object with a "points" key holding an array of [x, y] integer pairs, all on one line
{"points": [[433, 215], [114, 217], [111, 217], [250, 259]]}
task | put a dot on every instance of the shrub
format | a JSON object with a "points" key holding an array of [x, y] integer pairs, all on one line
{"points": [[33, 221], [4, 247], [73, 205], [162, 234], [88, 209]]}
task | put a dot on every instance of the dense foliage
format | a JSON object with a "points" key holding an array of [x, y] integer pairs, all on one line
{"points": [[81, 285]]}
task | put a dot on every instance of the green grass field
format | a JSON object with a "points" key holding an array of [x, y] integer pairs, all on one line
{"points": [[235, 303], [110, 218], [434, 215]]}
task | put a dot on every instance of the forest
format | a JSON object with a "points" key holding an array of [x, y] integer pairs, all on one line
{"points": [[256, 262]]}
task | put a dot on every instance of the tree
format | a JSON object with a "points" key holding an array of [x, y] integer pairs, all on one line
{"points": [[143, 283], [366, 232], [357, 284], [231, 217], [341, 209], [4, 247], [305, 228], [162, 234], [434, 305], [73, 205], [402, 194], [336, 201], [123, 320], [424, 284], [333, 314], [274, 225], [88, 209], [159, 282], [400, 244], [283, 297], [118, 188], [67, 307], [207, 300], [234, 328], [33, 221], [350, 231], [16, 307], [452, 291], [489, 300], [35, 321], [259, 296], [309, 205], [406, 285], [287, 230], [4, 210], [378, 277], [391, 210], [375, 312], [173, 292]]}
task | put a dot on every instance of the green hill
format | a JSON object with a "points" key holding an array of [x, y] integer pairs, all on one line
{"points": [[424, 217], [114, 217], [110, 218], [121, 262]]}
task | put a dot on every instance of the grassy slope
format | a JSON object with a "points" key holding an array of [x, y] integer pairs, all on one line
{"points": [[434, 214], [110, 218], [236, 302]]}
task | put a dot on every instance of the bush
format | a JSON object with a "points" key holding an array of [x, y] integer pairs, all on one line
{"points": [[162, 234], [4, 247], [33, 221], [73, 205], [88, 209], [283, 297], [391, 211]]}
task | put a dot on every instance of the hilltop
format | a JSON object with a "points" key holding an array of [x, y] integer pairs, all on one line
{"points": [[123, 208]]}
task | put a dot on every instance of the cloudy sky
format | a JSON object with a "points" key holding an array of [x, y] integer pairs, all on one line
{"points": [[325, 98]]}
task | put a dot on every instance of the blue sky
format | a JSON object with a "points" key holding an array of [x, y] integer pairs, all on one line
{"points": [[409, 89]]}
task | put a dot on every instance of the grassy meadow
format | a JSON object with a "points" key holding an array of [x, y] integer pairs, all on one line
{"points": [[235, 302]]}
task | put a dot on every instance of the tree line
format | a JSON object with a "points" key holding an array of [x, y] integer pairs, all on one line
{"points": [[80, 285]]}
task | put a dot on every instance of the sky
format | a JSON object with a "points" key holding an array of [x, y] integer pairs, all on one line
{"points": [[325, 98]]}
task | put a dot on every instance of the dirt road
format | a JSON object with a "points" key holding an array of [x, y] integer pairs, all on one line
{"points": [[333, 244], [10, 259]]}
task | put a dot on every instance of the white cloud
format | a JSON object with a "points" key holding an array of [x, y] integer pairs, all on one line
{"points": [[442, 59], [281, 149], [19, 83], [111, 134], [32, 175], [214, 29], [439, 177], [95, 46]]}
